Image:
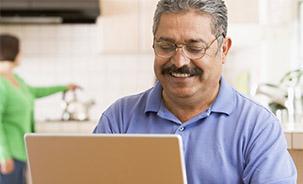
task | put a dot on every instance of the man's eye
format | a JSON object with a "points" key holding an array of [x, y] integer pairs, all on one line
{"points": [[166, 46], [194, 49]]}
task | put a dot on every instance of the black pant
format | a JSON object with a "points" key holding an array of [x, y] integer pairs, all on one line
{"points": [[17, 176]]}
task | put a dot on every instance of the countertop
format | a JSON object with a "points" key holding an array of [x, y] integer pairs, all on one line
{"points": [[58, 126], [293, 127], [287, 127], [293, 131], [294, 135]]}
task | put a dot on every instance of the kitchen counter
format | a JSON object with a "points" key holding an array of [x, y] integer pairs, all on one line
{"points": [[294, 135], [65, 126], [293, 132], [293, 127]]}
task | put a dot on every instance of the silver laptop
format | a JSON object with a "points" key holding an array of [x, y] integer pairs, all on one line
{"points": [[105, 159]]}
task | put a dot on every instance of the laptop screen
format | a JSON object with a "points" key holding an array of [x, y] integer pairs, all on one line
{"points": [[105, 158]]}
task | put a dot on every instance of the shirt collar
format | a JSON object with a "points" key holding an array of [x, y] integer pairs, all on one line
{"points": [[154, 98], [224, 102]]}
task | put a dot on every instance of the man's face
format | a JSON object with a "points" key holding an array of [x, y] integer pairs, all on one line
{"points": [[204, 73]]}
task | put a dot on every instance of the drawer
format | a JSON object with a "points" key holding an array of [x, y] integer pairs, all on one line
{"points": [[297, 141]]}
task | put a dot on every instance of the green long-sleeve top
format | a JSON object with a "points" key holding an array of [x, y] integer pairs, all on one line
{"points": [[17, 115]]}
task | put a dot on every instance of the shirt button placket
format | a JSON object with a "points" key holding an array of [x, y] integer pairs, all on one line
{"points": [[181, 129]]}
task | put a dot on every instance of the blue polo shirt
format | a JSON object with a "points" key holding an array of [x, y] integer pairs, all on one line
{"points": [[234, 141]]}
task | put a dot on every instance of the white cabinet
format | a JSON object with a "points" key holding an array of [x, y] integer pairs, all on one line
{"points": [[242, 11], [294, 135], [126, 26], [288, 139], [297, 141]]}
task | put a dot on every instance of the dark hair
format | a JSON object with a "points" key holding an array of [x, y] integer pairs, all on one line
{"points": [[9, 47], [215, 8]]}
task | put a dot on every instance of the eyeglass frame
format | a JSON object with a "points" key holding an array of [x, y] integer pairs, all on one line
{"points": [[181, 46]]}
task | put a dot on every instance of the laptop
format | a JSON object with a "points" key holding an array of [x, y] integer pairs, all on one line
{"points": [[105, 159]]}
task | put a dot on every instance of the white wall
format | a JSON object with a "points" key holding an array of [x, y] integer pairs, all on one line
{"points": [[59, 54], [265, 45], [113, 58]]}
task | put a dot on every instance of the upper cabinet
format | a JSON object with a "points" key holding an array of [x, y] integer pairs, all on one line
{"points": [[54, 11], [242, 11], [126, 26], [301, 27]]}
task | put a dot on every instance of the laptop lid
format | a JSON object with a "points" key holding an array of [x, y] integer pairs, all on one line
{"points": [[105, 159]]}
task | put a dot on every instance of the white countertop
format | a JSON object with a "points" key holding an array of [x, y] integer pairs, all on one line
{"points": [[287, 127], [293, 131], [65, 126], [294, 135], [292, 127]]}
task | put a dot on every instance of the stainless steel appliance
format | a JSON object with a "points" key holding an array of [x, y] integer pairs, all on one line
{"points": [[74, 108]]}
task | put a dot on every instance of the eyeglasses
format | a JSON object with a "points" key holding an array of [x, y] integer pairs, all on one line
{"points": [[196, 50]]}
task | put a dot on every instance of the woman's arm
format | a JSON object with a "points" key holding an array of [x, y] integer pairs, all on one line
{"points": [[39, 92]]}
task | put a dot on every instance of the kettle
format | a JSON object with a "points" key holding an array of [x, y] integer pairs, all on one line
{"points": [[73, 108]]}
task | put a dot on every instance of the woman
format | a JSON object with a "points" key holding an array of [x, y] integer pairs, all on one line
{"points": [[16, 111]]}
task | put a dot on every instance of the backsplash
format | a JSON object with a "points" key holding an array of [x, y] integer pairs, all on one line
{"points": [[60, 54], [57, 39], [114, 58]]}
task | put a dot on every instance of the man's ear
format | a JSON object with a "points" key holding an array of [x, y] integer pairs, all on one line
{"points": [[226, 45]]}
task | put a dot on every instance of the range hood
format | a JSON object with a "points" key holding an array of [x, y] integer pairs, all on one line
{"points": [[49, 11]]}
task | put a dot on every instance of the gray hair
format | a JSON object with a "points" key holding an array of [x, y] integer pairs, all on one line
{"points": [[215, 8]]}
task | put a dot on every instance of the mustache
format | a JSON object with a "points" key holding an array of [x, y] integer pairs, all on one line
{"points": [[183, 70]]}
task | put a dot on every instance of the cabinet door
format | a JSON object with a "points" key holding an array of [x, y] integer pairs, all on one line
{"points": [[126, 26], [147, 9], [242, 11], [119, 26], [301, 27], [64, 4], [14, 4]]}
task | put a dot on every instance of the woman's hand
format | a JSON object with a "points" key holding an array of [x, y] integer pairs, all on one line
{"points": [[73, 87], [7, 166]]}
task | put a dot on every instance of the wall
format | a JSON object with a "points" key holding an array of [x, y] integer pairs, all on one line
{"points": [[110, 59], [114, 58], [59, 54], [265, 42]]}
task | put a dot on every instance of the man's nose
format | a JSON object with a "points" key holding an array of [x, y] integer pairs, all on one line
{"points": [[179, 59]]}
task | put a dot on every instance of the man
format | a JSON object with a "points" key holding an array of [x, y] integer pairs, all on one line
{"points": [[227, 138]]}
